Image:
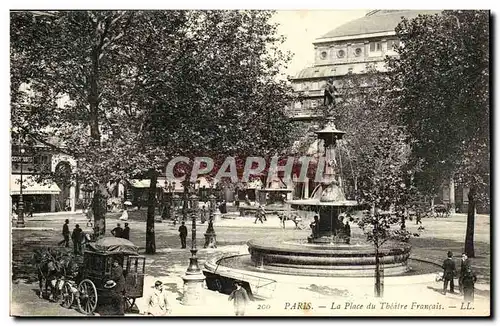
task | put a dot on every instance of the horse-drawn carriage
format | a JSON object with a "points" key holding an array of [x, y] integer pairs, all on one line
{"points": [[86, 284]]}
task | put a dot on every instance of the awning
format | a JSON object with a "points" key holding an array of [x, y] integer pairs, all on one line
{"points": [[30, 187]]}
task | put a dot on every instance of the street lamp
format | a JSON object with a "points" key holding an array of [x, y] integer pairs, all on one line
{"points": [[20, 217], [169, 189], [176, 203], [193, 261], [194, 278], [210, 236]]}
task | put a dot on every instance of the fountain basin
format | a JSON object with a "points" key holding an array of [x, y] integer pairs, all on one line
{"points": [[348, 260]]}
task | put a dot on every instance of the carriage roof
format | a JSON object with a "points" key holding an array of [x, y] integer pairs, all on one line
{"points": [[112, 246]]}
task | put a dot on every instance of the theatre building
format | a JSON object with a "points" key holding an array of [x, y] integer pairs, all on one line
{"points": [[351, 49]]}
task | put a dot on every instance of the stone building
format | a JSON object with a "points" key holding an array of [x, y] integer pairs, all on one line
{"points": [[352, 48], [41, 193]]}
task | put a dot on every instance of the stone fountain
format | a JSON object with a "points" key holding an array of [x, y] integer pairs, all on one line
{"points": [[328, 250]]}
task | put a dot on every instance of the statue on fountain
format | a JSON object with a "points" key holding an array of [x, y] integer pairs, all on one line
{"points": [[329, 95]]}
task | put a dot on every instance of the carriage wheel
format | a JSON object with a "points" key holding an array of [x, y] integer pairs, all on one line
{"points": [[67, 296], [87, 299], [129, 304]]}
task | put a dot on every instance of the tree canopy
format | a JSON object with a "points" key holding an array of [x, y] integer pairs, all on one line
{"points": [[124, 91], [440, 83]]}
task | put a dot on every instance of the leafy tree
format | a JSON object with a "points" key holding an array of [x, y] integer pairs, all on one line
{"points": [[380, 228], [441, 89], [144, 87], [69, 62]]}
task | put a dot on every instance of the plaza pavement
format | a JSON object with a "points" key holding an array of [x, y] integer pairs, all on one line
{"points": [[170, 263]]}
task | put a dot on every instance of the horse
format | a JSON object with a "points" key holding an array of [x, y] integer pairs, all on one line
{"points": [[48, 272], [294, 218]]}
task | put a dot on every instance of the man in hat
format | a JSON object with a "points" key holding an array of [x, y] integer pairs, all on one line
{"points": [[183, 234], [65, 234], [119, 279], [126, 232], [157, 302], [76, 236], [111, 302], [449, 272], [118, 231], [240, 299]]}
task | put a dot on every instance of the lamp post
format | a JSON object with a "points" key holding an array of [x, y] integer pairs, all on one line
{"points": [[193, 261], [169, 189], [194, 278], [20, 217], [210, 236], [176, 203]]}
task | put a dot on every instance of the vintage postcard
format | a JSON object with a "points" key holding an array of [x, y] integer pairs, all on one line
{"points": [[250, 163]]}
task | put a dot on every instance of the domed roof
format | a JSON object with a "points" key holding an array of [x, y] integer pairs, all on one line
{"points": [[375, 22]]}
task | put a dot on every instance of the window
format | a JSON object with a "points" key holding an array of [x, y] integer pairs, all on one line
{"points": [[357, 52], [340, 53], [323, 55], [375, 46]]}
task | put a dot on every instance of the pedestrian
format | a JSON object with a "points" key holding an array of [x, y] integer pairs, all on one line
{"points": [[76, 236], [119, 279], [126, 232], [203, 214], [464, 262], [240, 299], [65, 234], [157, 302], [29, 209], [468, 280], [449, 271], [347, 230], [223, 207], [118, 231], [418, 219], [111, 301], [260, 215], [183, 234], [124, 216]]}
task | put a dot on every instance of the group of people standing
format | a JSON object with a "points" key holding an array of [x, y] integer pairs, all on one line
{"points": [[120, 232], [78, 237], [466, 279]]}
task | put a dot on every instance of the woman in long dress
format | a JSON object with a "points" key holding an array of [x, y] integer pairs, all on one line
{"points": [[124, 216]]}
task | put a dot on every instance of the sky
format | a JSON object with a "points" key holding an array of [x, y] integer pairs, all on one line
{"points": [[302, 27]]}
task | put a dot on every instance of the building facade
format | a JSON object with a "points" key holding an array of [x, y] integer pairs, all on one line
{"points": [[356, 47]]}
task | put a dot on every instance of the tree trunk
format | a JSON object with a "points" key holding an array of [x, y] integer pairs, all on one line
{"points": [[99, 210], [378, 283], [469, 233], [99, 204], [150, 221]]}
